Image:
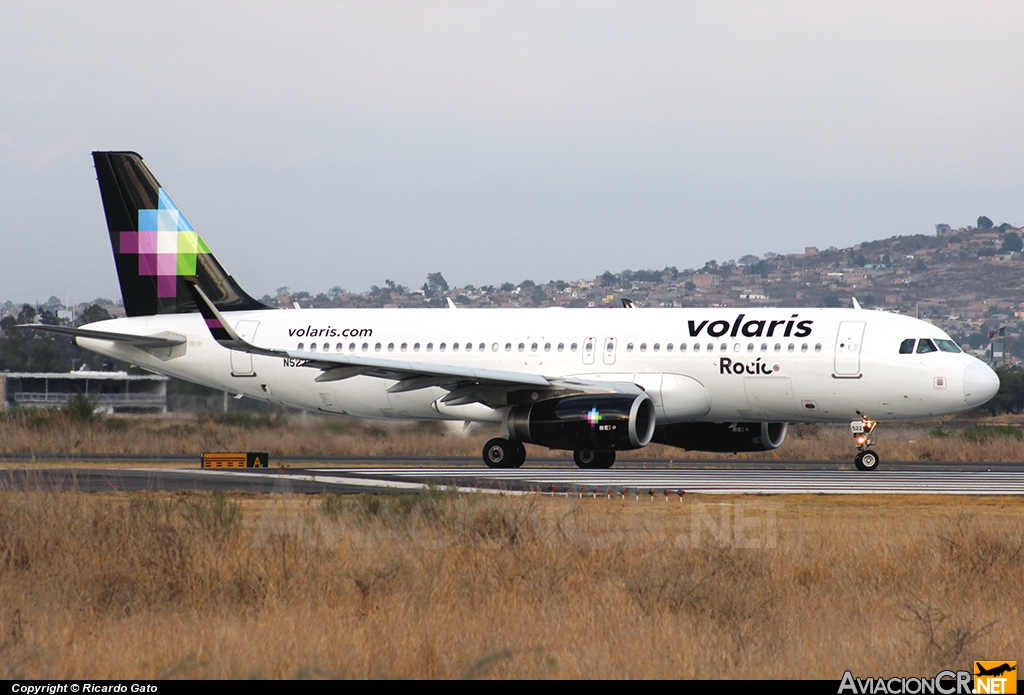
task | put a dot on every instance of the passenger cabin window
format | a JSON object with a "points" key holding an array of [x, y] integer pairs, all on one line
{"points": [[561, 347], [629, 347], [351, 347], [668, 347], [339, 347], [682, 347], [441, 347], [301, 347], [643, 347], [924, 345], [312, 347], [415, 347], [817, 347], [376, 348], [522, 346], [508, 347], [657, 346], [494, 347], [405, 346], [430, 347], [391, 347], [572, 348], [907, 346], [547, 347]]}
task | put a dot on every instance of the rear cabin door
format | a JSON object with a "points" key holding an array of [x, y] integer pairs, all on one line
{"points": [[241, 362]]}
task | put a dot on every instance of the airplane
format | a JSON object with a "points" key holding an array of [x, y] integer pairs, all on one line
{"points": [[995, 670], [593, 382]]}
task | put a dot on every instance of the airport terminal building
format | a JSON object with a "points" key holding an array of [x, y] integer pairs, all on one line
{"points": [[111, 392]]}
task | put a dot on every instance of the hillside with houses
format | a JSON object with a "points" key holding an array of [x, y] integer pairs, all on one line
{"points": [[969, 281]]}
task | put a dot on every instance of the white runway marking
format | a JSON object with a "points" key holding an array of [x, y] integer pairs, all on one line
{"points": [[715, 481]]}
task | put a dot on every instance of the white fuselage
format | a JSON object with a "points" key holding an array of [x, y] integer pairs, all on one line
{"points": [[718, 365]]}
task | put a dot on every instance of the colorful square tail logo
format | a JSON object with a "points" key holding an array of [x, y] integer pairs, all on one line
{"points": [[166, 245], [995, 677]]}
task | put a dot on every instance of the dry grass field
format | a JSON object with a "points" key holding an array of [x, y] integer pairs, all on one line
{"points": [[442, 586], [54, 432]]}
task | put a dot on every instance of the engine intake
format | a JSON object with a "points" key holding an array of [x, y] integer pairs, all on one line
{"points": [[598, 423], [723, 437]]}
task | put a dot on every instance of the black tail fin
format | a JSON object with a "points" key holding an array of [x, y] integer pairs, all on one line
{"points": [[155, 247]]}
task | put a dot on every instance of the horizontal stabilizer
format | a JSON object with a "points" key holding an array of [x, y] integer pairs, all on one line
{"points": [[157, 340]]}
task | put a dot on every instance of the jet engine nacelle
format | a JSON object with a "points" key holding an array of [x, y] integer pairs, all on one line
{"points": [[592, 422], [723, 436]]}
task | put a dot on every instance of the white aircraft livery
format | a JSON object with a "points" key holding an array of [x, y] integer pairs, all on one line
{"points": [[593, 382]]}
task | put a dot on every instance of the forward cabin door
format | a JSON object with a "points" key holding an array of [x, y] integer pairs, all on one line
{"points": [[241, 362], [848, 346]]}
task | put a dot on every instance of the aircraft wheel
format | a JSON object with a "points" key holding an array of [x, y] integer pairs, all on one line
{"points": [[501, 453], [585, 458], [520, 454], [866, 461]]}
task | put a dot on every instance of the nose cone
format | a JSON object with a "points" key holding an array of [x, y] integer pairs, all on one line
{"points": [[980, 383]]}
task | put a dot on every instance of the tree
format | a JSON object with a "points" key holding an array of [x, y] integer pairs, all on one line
{"points": [[538, 296], [984, 223], [27, 314], [507, 287], [608, 279], [92, 314], [832, 302], [941, 228], [436, 283], [1012, 243]]}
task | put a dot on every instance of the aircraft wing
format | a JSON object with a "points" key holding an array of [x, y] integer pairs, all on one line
{"points": [[157, 340], [492, 387]]}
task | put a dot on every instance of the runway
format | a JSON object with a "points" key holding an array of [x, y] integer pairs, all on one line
{"points": [[967, 480]]}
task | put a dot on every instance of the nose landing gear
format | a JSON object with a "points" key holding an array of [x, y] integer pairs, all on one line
{"points": [[866, 459]]}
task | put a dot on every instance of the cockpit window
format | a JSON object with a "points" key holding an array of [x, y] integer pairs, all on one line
{"points": [[924, 345], [947, 346], [907, 346]]}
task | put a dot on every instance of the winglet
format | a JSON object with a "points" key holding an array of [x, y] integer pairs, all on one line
{"points": [[451, 304], [219, 327], [856, 304]]}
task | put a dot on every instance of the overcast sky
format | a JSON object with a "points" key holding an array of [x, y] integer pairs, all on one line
{"points": [[315, 144]]}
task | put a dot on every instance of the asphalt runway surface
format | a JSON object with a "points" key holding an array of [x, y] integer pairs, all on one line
{"points": [[553, 476]]}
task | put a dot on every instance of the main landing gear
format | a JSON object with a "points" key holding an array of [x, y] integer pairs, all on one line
{"points": [[586, 458], [866, 459], [502, 453]]}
